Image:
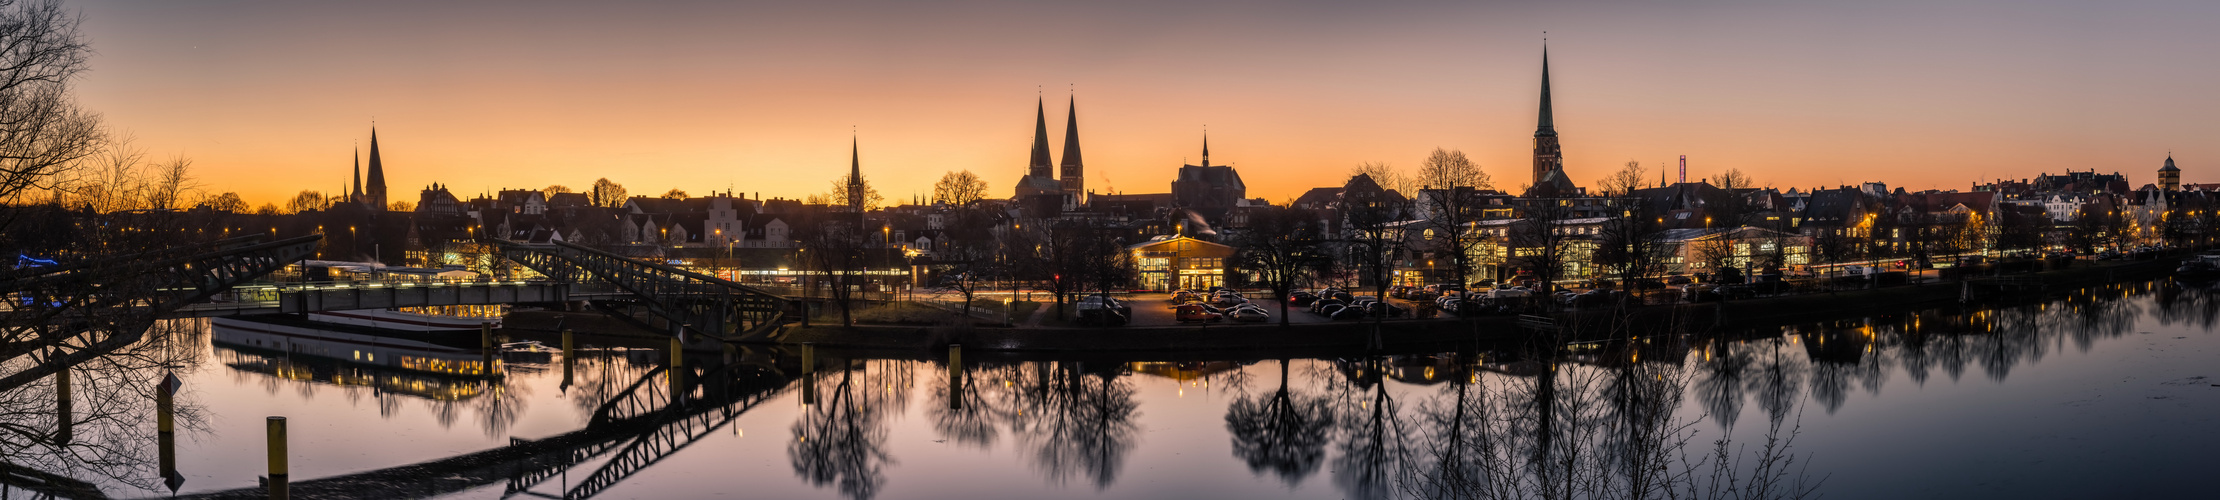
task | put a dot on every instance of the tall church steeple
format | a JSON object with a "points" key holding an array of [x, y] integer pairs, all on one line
{"points": [[374, 192], [1206, 148], [1074, 172], [1547, 154], [1041, 166], [855, 176], [357, 196]]}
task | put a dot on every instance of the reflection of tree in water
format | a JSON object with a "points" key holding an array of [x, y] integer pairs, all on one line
{"points": [[1372, 447], [110, 432], [1283, 431], [2195, 304], [1075, 422], [1079, 424], [841, 441], [1547, 427]]}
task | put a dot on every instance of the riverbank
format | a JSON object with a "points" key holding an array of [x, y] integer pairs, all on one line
{"points": [[1449, 332]]}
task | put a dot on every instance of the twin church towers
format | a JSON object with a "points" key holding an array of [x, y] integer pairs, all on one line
{"points": [[1041, 175]]}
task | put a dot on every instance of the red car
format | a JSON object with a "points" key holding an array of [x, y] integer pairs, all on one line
{"points": [[1196, 312]]}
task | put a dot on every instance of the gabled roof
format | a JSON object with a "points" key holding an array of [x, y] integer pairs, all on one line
{"points": [[1318, 198], [1553, 184]]}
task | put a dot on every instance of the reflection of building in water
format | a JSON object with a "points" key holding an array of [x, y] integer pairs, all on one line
{"points": [[1183, 371], [299, 350]]}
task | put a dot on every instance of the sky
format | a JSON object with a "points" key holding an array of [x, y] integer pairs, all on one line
{"points": [[270, 98]]}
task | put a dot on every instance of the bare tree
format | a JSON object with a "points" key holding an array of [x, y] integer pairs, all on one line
{"points": [[1540, 242], [1385, 175], [1450, 201], [551, 190], [839, 195], [307, 200], [970, 251], [400, 206], [227, 203], [1623, 182], [43, 133], [959, 188], [1372, 221], [607, 194], [169, 183], [1282, 247], [837, 249], [675, 193], [1733, 179]]}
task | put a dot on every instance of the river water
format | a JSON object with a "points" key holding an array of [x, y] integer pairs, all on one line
{"points": [[2112, 392]]}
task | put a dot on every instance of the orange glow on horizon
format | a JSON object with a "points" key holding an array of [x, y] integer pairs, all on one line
{"points": [[271, 100]]}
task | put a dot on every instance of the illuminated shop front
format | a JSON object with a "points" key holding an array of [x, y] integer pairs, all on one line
{"points": [[1181, 263]]}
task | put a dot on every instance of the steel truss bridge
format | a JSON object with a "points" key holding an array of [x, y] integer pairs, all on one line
{"points": [[683, 301], [67, 314]]}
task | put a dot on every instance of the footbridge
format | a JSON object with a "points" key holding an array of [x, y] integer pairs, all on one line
{"points": [[74, 312], [682, 301], [699, 402]]}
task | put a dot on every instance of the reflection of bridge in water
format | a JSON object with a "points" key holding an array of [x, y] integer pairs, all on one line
{"points": [[663, 412]]}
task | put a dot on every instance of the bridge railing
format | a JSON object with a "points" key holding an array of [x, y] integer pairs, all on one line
{"points": [[684, 299]]}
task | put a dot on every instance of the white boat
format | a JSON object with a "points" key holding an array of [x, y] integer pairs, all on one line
{"points": [[415, 319]]}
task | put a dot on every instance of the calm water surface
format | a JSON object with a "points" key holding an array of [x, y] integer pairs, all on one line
{"points": [[2109, 393]]}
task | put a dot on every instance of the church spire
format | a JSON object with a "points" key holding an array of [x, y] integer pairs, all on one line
{"points": [[855, 175], [1074, 172], [1548, 121], [374, 189], [358, 174], [1040, 166], [1206, 148], [1548, 155]]}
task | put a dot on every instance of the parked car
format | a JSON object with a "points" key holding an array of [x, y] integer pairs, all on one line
{"points": [[1699, 292], [1678, 280], [1196, 313], [1301, 299], [1598, 298], [1249, 313], [1104, 310], [1383, 309], [1186, 297], [1321, 304]]}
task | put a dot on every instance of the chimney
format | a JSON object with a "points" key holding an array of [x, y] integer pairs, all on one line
{"points": [[1684, 168]]}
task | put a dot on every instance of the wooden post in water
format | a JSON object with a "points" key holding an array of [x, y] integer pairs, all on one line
{"points": [[809, 374], [278, 475], [165, 431], [955, 376], [65, 419], [569, 361], [485, 347]]}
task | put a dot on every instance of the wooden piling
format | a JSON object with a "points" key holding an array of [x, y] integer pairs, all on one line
{"points": [[809, 374], [278, 467], [955, 376]]}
